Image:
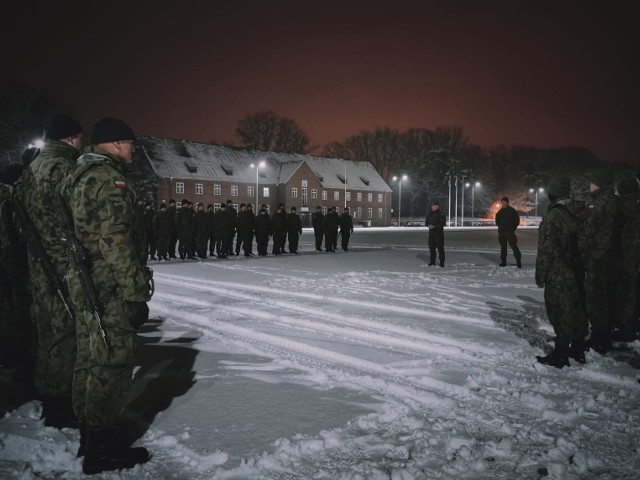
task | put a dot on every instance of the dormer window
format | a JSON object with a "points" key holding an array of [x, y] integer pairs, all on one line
{"points": [[191, 167], [365, 180], [342, 179], [227, 170]]}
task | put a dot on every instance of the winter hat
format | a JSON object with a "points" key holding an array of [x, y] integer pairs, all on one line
{"points": [[435, 202], [601, 177], [628, 185], [559, 186], [111, 130], [61, 125]]}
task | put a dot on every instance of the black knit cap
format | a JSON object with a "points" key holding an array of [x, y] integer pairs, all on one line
{"points": [[628, 185], [559, 186], [602, 177], [111, 130], [61, 125]]}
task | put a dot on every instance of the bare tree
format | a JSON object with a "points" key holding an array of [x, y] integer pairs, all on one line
{"points": [[270, 132]]}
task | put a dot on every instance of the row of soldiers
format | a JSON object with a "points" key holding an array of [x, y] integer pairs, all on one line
{"points": [[588, 262], [199, 233], [83, 285]]}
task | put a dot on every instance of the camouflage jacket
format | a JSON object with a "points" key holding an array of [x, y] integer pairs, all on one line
{"points": [[41, 182], [557, 244], [603, 223], [630, 206], [102, 205]]}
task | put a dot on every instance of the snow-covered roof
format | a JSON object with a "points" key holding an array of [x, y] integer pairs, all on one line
{"points": [[181, 159]]}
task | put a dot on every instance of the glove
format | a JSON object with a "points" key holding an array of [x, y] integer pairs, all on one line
{"points": [[138, 313]]}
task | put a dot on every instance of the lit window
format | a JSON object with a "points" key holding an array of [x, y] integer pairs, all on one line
{"points": [[336, 195], [179, 187], [304, 183], [379, 212], [294, 192], [314, 193], [369, 212], [324, 210], [265, 192], [234, 190], [199, 189], [216, 206], [217, 190], [348, 196], [359, 196], [369, 197], [380, 198], [251, 191], [324, 194]]}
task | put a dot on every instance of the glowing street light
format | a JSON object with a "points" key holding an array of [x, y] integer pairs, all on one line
{"points": [[531, 190], [257, 167], [473, 192], [400, 179]]}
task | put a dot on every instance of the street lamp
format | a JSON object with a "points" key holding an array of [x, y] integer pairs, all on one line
{"points": [[531, 190], [473, 193], [257, 167], [400, 179]]}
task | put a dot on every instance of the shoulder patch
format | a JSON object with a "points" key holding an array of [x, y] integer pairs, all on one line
{"points": [[120, 184]]}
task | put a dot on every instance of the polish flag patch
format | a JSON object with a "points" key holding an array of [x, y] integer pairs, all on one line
{"points": [[120, 184]]}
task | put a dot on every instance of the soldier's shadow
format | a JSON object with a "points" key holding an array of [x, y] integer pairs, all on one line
{"points": [[523, 323], [165, 372]]}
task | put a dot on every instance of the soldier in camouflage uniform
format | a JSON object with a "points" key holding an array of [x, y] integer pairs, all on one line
{"points": [[55, 326], [629, 193], [559, 272], [102, 205], [601, 248]]}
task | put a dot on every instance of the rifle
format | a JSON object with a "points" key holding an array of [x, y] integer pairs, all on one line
{"points": [[39, 254], [80, 263]]}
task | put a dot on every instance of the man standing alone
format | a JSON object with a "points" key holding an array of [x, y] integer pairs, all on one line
{"points": [[507, 220], [436, 221]]}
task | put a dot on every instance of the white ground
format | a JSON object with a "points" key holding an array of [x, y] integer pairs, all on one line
{"points": [[359, 365]]}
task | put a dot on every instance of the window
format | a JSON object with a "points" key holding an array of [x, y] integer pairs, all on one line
{"points": [[379, 212], [216, 206], [336, 195], [179, 187], [355, 213], [359, 196], [359, 212], [342, 179], [235, 207], [324, 210], [369, 212], [380, 198], [348, 196], [324, 194], [199, 189], [369, 197], [251, 191], [304, 183], [304, 196], [265, 192], [314, 193], [191, 167], [294, 192], [365, 180], [217, 190], [234, 190], [227, 170]]}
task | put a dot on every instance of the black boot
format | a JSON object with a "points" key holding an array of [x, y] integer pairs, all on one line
{"points": [[576, 351], [57, 412], [558, 358], [82, 449], [432, 262], [503, 263], [106, 451], [442, 263], [518, 263], [600, 344]]}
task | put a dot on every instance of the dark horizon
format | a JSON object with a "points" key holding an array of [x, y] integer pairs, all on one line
{"points": [[545, 74]]}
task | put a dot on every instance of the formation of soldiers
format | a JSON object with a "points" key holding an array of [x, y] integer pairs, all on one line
{"points": [[196, 233], [587, 262]]}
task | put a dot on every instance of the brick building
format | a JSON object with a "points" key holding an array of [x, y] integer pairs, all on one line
{"points": [[212, 174]]}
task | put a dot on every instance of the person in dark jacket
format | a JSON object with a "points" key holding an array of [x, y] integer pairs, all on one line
{"points": [[149, 213], [201, 222], [211, 217], [331, 225], [436, 221], [507, 220], [222, 231], [231, 227], [559, 271], [162, 231], [244, 226], [173, 235], [263, 231], [283, 239], [250, 235], [317, 222], [294, 230], [185, 228], [346, 228], [279, 231], [601, 247]]}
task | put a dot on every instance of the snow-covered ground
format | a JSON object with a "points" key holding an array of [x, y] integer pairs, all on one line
{"points": [[360, 365]]}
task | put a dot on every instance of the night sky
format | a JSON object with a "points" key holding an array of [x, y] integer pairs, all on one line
{"points": [[544, 73]]}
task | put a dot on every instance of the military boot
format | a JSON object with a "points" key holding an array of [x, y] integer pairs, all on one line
{"points": [[82, 449], [558, 358], [432, 262], [105, 452], [576, 351]]}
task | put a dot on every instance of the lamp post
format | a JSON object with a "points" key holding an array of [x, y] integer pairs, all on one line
{"points": [[531, 190], [400, 179], [473, 194], [257, 167]]}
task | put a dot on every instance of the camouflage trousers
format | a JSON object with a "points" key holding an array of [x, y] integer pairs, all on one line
{"points": [[565, 311], [602, 282], [56, 337], [102, 377]]}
